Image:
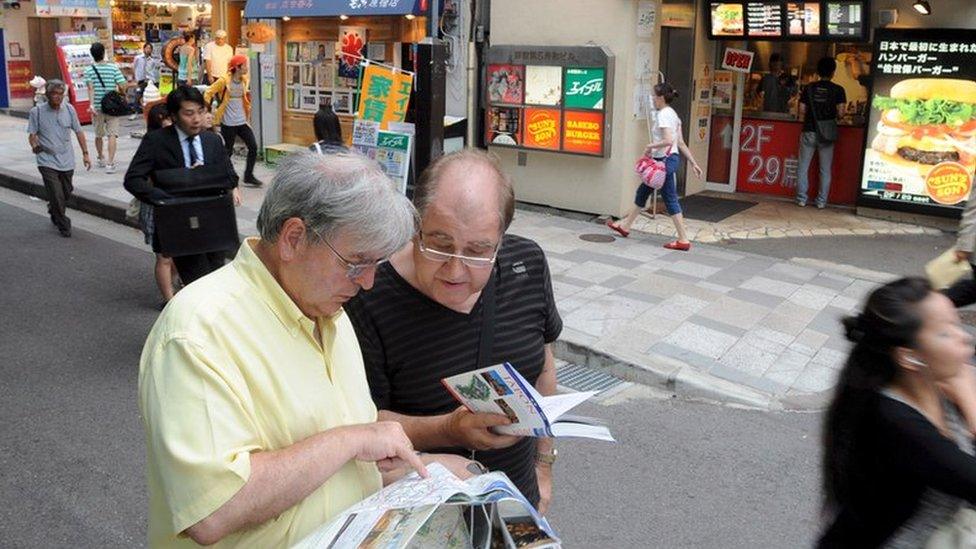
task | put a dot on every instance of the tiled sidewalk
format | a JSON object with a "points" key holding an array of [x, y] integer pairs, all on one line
{"points": [[712, 323]]}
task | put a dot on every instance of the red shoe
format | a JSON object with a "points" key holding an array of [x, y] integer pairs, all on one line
{"points": [[617, 228], [680, 246]]}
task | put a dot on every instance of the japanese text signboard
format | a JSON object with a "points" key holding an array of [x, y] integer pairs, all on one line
{"points": [[384, 94], [921, 139], [550, 98]]}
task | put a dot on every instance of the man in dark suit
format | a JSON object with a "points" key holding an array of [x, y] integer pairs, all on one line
{"points": [[160, 174]]}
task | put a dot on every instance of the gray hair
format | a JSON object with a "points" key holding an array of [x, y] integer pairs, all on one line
{"points": [[336, 193], [55, 84]]}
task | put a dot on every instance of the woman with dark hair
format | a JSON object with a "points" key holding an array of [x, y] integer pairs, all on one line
{"points": [[165, 270], [667, 144], [328, 131], [898, 461]]}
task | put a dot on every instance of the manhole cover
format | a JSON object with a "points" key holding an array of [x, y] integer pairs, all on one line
{"points": [[604, 238]]}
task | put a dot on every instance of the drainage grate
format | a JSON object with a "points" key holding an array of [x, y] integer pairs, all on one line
{"points": [[581, 378]]}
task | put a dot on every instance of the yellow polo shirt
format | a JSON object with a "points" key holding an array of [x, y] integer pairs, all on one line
{"points": [[231, 367]]}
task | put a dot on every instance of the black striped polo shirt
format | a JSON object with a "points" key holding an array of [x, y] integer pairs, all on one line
{"points": [[410, 342]]}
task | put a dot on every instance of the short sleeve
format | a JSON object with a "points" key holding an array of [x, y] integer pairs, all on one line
{"points": [[200, 429], [554, 322], [89, 77], [374, 356], [841, 95], [668, 119], [207, 51], [75, 123], [32, 121], [119, 77]]}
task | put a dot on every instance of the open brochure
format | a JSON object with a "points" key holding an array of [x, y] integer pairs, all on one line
{"points": [[501, 389], [439, 512]]}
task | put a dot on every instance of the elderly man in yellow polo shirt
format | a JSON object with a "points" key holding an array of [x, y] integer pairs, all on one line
{"points": [[258, 418]]}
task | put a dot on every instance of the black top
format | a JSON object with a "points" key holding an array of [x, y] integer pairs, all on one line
{"points": [[898, 453], [411, 342], [826, 96]]}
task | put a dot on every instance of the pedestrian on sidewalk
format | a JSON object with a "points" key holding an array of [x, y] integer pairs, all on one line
{"points": [[898, 457], [216, 56], [462, 295], [667, 145], [234, 111], [186, 73], [102, 77], [328, 131], [259, 426], [146, 68], [821, 104], [169, 151], [165, 270], [49, 128]]}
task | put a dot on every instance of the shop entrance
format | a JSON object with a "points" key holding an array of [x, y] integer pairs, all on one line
{"points": [[43, 47], [677, 47]]}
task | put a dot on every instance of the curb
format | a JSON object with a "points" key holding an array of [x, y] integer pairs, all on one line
{"points": [[112, 210]]}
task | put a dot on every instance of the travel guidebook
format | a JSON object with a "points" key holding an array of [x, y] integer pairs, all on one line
{"points": [[439, 512], [501, 389]]}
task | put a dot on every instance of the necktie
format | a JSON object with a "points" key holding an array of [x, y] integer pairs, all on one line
{"points": [[192, 150]]}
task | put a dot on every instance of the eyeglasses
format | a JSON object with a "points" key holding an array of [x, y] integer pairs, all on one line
{"points": [[353, 270], [444, 257]]}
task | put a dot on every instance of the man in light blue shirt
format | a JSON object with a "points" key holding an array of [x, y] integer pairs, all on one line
{"points": [[145, 68], [49, 127]]}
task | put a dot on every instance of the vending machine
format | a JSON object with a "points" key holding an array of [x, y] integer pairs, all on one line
{"points": [[74, 56]]}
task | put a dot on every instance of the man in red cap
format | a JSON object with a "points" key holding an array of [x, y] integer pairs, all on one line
{"points": [[234, 111]]}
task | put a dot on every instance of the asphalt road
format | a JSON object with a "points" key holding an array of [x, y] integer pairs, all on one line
{"points": [[73, 317]]}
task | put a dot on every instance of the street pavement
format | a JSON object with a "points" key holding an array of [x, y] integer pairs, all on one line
{"points": [[75, 313], [716, 323]]}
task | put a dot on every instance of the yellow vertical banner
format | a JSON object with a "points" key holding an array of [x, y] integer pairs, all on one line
{"points": [[384, 94]]}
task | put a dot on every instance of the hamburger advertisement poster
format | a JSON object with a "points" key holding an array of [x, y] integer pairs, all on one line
{"points": [[921, 135]]}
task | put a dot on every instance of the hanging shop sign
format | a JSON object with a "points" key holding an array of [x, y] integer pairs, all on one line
{"points": [[737, 60], [384, 94], [774, 20], [920, 149], [391, 149], [73, 8], [550, 98]]}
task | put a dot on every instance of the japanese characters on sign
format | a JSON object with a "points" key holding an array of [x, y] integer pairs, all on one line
{"points": [[392, 150], [789, 20], [584, 88], [921, 142], [384, 95]]}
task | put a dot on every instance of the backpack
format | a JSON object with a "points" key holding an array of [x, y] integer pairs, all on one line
{"points": [[113, 103]]}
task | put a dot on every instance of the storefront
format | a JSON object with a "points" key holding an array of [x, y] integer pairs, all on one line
{"points": [[30, 42], [315, 59]]}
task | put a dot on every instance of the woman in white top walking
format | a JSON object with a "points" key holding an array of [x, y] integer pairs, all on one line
{"points": [[666, 145]]}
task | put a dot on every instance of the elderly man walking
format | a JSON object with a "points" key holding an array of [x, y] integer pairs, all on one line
{"points": [[257, 413], [49, 129]]}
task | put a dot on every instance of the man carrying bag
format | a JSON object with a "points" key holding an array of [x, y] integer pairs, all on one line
{"points": [[184, 173], [821, 104]]}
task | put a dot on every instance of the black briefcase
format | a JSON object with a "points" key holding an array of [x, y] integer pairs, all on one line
{"points": [[196, 225]]}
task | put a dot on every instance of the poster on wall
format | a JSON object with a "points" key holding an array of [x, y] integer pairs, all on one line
{"points": [[505, 83], [584, 88], [504, 126], [19, 76], [646, 18], [723, 89], [584, 132], [543, 85], [542, 128], [352, 43], [921, 133]]}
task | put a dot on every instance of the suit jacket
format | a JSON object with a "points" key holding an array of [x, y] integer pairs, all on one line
{"points": [[161, 150]]}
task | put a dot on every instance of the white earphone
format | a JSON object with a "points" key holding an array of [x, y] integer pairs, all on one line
{"points": [[915, 361]]}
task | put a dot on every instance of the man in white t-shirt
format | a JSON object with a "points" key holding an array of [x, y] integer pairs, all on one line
{"points": [[216, 56]]}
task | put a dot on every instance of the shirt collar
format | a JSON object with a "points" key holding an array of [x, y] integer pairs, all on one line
{"points": [[256, 273], [183, 135]]}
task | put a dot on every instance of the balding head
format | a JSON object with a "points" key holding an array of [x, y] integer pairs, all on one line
{"points": [[469, 183]]}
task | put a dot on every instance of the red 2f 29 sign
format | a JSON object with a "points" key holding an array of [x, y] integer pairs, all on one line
{"points": [[737, 60]]}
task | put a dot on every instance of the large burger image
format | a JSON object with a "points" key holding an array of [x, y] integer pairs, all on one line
{"points": [[927, 121]]}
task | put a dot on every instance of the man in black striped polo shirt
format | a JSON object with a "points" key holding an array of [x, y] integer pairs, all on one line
{"points": [[424, 318]]}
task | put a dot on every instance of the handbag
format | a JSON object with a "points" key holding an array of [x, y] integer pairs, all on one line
{"points": [[113, 103], [959, 533], [944, 270], [826, 129], [653, 173]]}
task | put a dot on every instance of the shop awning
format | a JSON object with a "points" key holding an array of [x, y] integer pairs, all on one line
{"points": [[276, 9]]}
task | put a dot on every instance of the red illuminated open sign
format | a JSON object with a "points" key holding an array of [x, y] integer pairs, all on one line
{"points": [[737, 60]]}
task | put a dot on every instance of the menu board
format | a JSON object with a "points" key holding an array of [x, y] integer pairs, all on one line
{"points": [[764, 19], [921, 134], [549, 98], [845, 19], [727, 19], [803, 19]]}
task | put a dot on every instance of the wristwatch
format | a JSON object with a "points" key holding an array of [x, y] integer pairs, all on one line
{"points": [[547, 459]]}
